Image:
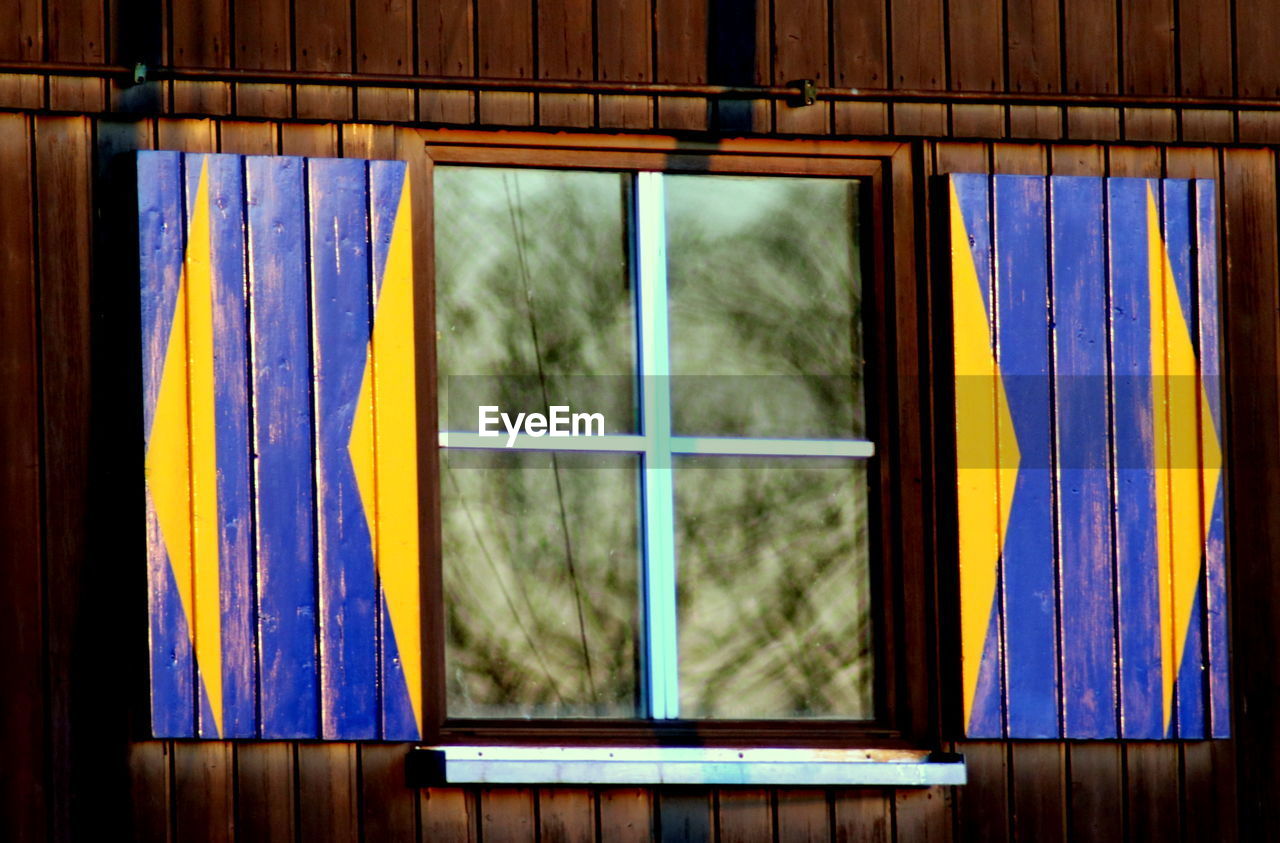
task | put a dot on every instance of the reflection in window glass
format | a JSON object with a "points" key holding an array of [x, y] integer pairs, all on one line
{"points": [[774, 588], [765, 291], [540, 584], [534, 304]]}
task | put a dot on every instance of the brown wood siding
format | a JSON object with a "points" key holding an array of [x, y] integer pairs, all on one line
{"points": [[71, 591]]}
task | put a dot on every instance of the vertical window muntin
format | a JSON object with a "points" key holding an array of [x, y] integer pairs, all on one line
{"points": [[658, 448]]}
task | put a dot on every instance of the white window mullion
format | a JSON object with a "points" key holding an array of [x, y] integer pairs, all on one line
{"points": [[662, 674]]}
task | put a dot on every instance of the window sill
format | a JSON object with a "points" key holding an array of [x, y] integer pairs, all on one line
{"points": [[566, 765]]}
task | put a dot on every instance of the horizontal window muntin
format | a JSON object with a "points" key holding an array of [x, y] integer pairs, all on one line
{"points": [[657, 445]]}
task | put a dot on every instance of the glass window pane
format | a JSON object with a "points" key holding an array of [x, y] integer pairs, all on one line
{"points": [[541, 571], [534, 303], [765, 291], [774, 590]]}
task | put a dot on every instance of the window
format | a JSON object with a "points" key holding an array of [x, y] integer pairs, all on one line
{"points": [[717, 561], [738, 559]]}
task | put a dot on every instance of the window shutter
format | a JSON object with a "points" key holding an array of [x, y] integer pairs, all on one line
{"points": [[1089, 457], [280, 447]]}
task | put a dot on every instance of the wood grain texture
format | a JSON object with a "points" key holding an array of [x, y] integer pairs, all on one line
{"points": [[150, 792], [1205, 66], [508, 813], [328, 791], [1033, 49], [1151, 775], [860, 53], [262, 42], [1257, 32], [624, 52], [201, 37], [22, 727], [565, 51], [923, 814], [384, 42], [743, 814], [566, 815], [803, 815], [800, 52], [1096, 798], [388, 809], [1037, 797], [626, 814], [982, 805], [680, 49], [684, 814], [446, 32], [448, 815], [363, 140], [976, 39], [245, 138], [1148, 50], [864, 815], [266, 784], [64, 220], [1089, 37], [505, 44], [919, 62], [323, 41], [309, 139], [203, 791], [75, 31], [22, 39]]}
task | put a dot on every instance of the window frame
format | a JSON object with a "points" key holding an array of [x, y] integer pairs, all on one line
{"points": [[906, 686]]}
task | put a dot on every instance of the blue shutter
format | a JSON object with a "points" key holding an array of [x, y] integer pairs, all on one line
{"points": [[1089, 457], [280, 447]]}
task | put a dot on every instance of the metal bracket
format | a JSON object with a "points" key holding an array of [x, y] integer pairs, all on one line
{"points": [[807, 93], [139, 73]]}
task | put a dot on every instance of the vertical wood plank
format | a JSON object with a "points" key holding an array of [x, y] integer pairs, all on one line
{"points": [[1257, 33], [1249, 298], [286, 578], [64, 220], [504, 38], [384, 44], [203, 792], [1033, 48], [803, 815], [262, 33], [1148, 27], [738, 48], [1089, 38], [922, 814], [859, 34], [446, 31], [322, 33], [565, 51], [1096, 797], [862, 816], [624, 47], [246, 138], [22, 729], [22, 39], [566, 815], [186, 135], [388, 809], [364, 140], [1037, 791], [265, 788], [1209, 791], [312, 140], [201, 37], [150, 791], [626, 815], [743, 814], [328, 791], [800, 52], [76, 32], [976, 39], [982, 805], [507, 813], [680, 46], [919, 62], [684, 814], [1204, 63], [1151, 772], [448, 815]]}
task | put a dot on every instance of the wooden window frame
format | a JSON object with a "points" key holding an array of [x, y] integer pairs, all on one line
{"points": [[906, 625]]}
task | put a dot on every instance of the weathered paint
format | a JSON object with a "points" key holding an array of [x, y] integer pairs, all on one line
{"points": [[1127, 292], [281, 460]]}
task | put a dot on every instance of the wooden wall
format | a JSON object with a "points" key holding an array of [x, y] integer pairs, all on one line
{"points": [[72, 589]]}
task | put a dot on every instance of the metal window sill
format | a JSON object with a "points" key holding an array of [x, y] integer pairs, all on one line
{"points": [[567, 765]]}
